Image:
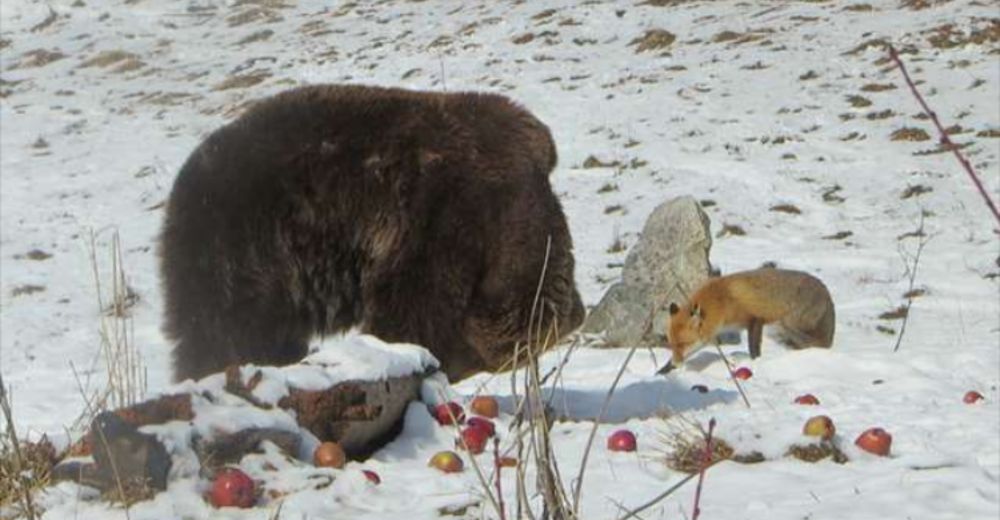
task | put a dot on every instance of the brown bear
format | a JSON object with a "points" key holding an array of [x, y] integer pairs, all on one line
{"points": [[419, 217]]}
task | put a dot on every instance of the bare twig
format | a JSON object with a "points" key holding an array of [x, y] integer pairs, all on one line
{"points": [[498, 467], [706, 461], [593, 431], [732, 377], [472, 459], [913, 276], [126, 372], [655, 500], [945, 140]]}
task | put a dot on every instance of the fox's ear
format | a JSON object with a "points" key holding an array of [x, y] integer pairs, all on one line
{"points": [[674, 308]]}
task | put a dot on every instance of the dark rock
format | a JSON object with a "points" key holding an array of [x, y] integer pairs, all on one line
{"points": [[126, 459]]}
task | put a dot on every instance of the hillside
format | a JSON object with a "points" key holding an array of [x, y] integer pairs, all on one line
{"points": [[786, 119]]}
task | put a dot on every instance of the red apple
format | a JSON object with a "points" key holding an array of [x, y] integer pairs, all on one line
{"points": [[329, 455], [743, 373], [486, 406], [232, 488], [372, 476], [446, 461], [448, 413], [701, 389], [972, 396], [473, 439], [875, 440], [622, 440], [819, 426], [807, 399], [484, 424]]}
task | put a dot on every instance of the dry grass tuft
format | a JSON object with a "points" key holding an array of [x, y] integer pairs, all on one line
{"points": [[25, 467], [878, 87], [859, 101], [108, 58], [126, 373], [731, 230], [38, 58], [685, 449], [254, 15], [817, 452], [653, 40], [910, 134], [947, 36], [243, 80]]}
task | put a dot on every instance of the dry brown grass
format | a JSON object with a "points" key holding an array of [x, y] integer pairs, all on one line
{"points": [[38, 58], [859, 101], [817, 452], [108, 58], [653, 40], [25, 467], [243, 80], [910, 134], [730, 230], [684, 448], [878, 87], [254, 15], [948, 36], [124, 368]]}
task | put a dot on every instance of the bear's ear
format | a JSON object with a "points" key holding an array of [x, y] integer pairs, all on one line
{"points": [[674, 308]]}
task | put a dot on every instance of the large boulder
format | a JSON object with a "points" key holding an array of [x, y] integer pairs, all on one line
{"points": [[667, 264]]}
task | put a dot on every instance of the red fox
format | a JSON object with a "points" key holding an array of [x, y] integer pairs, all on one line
{"points": [[797, 303]]}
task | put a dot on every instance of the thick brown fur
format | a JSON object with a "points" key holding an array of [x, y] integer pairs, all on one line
{"points": [[796, 303], [420, 217]]}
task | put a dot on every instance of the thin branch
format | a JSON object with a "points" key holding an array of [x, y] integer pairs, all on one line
{"points": [[635, 512], [705, 462], [945, 140], [593, 430], [732, 377], [913, 276], [498, 466]]}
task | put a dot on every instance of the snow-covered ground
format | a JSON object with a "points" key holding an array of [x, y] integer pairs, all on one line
{"points": [[778, 115]]}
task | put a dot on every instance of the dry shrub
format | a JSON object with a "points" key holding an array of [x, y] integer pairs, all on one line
{"points": [[684, 448], [817, 452], [24, 466]]}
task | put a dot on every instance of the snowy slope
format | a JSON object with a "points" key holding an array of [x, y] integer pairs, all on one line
{"points": [[752, 106]]}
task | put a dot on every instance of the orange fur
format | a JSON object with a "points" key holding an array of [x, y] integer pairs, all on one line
{"points": [[795, 302]]}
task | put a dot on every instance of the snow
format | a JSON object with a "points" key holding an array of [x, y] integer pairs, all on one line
{"points": [[86, 146]]}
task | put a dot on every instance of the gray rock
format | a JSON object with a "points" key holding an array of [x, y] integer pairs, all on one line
{"points": [[668, 263], [128, 464]]}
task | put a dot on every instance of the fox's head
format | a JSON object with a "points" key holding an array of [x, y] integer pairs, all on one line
{"points": [[684, 332]]}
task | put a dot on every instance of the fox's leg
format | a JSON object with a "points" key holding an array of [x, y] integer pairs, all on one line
{"points": [[754, 333]]}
